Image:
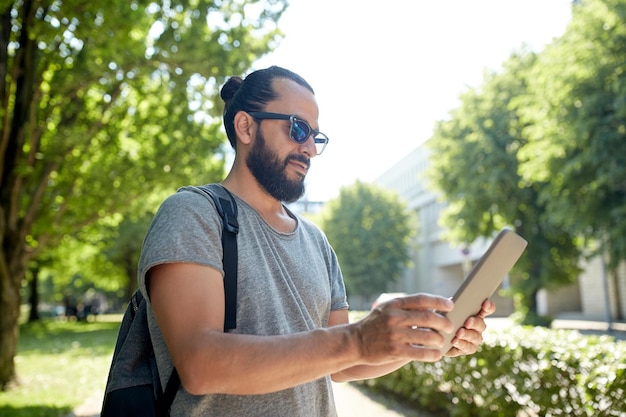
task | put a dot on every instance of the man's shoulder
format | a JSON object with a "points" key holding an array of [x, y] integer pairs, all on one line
{"points": [[307, 226], [186, 195], [186, 200], [196, 190]]}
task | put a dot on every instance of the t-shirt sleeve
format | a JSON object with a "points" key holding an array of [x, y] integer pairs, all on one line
{"points": [[185, 229], [339, 299]]}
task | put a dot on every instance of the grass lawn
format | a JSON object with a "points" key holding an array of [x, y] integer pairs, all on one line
{"points": [[59, 365]]}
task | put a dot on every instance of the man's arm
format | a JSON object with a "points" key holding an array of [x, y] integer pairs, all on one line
{"points": [[188, 302]]}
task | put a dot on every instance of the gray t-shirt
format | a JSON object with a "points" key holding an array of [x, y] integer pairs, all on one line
{"points": [[287, 283]]}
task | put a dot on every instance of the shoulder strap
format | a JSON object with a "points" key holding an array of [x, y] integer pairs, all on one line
{"points": [[169, 394], [227, 209]]}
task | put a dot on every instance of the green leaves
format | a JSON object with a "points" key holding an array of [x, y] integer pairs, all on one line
{"points": [[541, 146], [520, 371], [107, 107], [124, 95], [579, 119]]}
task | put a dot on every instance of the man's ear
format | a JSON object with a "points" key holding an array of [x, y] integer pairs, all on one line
{"points": [[245, 127]]}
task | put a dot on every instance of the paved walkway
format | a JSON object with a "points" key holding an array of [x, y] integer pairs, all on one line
{"points": [[615, 329], [354, 401]]}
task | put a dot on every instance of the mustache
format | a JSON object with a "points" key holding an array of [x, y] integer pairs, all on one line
{"points": [[299, 158]]}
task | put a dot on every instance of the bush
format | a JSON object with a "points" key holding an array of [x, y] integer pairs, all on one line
{"points": [[521, 371]]}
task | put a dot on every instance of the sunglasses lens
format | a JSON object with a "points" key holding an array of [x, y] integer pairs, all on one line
{"points": [[300, 131], [321, 140]]}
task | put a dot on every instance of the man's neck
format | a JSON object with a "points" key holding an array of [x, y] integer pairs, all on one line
{"points": [[248, 189]]}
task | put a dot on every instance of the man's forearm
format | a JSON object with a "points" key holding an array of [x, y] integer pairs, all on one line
{"points": [[360, 372], [247, 364]]}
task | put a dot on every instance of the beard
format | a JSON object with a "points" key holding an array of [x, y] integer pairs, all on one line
{"points": [[270, 171]]}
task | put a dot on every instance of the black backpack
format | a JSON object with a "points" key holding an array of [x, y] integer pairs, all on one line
{"points": [[133, 385]]}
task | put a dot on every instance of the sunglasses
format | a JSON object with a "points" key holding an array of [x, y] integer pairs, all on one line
{"points": [[299, 130]]}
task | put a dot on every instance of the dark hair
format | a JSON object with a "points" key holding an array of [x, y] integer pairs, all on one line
{"points": [[252, 94]]}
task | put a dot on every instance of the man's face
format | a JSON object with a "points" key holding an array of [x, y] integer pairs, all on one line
{"points": [[271, 171], [278, 163]]}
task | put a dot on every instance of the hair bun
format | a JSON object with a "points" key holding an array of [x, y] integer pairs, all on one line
{"points": [[230, 88]]}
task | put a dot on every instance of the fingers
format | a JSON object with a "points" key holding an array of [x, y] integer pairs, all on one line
{"points": [[465, 342], [475, 323], [396, 343], [423, 302], [487, 309], [470, 336], [405, 328], [418, 311]]}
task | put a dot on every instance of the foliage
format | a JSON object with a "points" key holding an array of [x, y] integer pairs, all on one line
{"points": [[369, 228], [576, 125], [475, 167], [61, 364], [533, 370], [103, 259], [105, 106], [124, 248]]}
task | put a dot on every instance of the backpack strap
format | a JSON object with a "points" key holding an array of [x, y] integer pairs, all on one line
{"points": [[168, 395], [227, 209]]}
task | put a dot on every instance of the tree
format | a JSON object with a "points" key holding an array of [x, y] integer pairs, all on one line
{"points": [[103, 105], [576, 118], [475, 167], [102, 257], [369, 228], [123, 248]]}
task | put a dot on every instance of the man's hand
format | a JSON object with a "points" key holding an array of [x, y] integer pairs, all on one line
{"points": [[468, 337], [409, 329], [405, 328]]}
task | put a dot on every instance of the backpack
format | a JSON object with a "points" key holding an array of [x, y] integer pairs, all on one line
{"points": [[133, 385]]}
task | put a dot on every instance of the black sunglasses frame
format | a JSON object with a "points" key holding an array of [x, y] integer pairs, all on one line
{"points": [[323, 141]]}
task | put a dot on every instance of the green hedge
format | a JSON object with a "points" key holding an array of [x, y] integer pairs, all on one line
{"points": [[520, 372]]}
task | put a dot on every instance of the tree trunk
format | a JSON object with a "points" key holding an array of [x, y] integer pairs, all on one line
{"points": [[9, 323], [130, 267], [33, 298], [532, 302], [12, 273], [531, 291], [619, 316], [14, 229]]}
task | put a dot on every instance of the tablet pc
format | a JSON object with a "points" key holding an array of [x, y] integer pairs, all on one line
{"points": [[484, 279]]}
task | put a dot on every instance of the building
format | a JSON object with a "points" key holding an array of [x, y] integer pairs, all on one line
{"points": [[439, 267]]}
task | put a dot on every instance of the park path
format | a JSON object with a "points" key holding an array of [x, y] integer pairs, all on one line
{"points": [[91, 407], [352, 401]]}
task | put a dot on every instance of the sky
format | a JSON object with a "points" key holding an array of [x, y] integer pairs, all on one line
{"points": [[384, 72]]}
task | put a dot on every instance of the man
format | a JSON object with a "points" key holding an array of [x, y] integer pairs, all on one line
{"points": [[292, 331]]}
